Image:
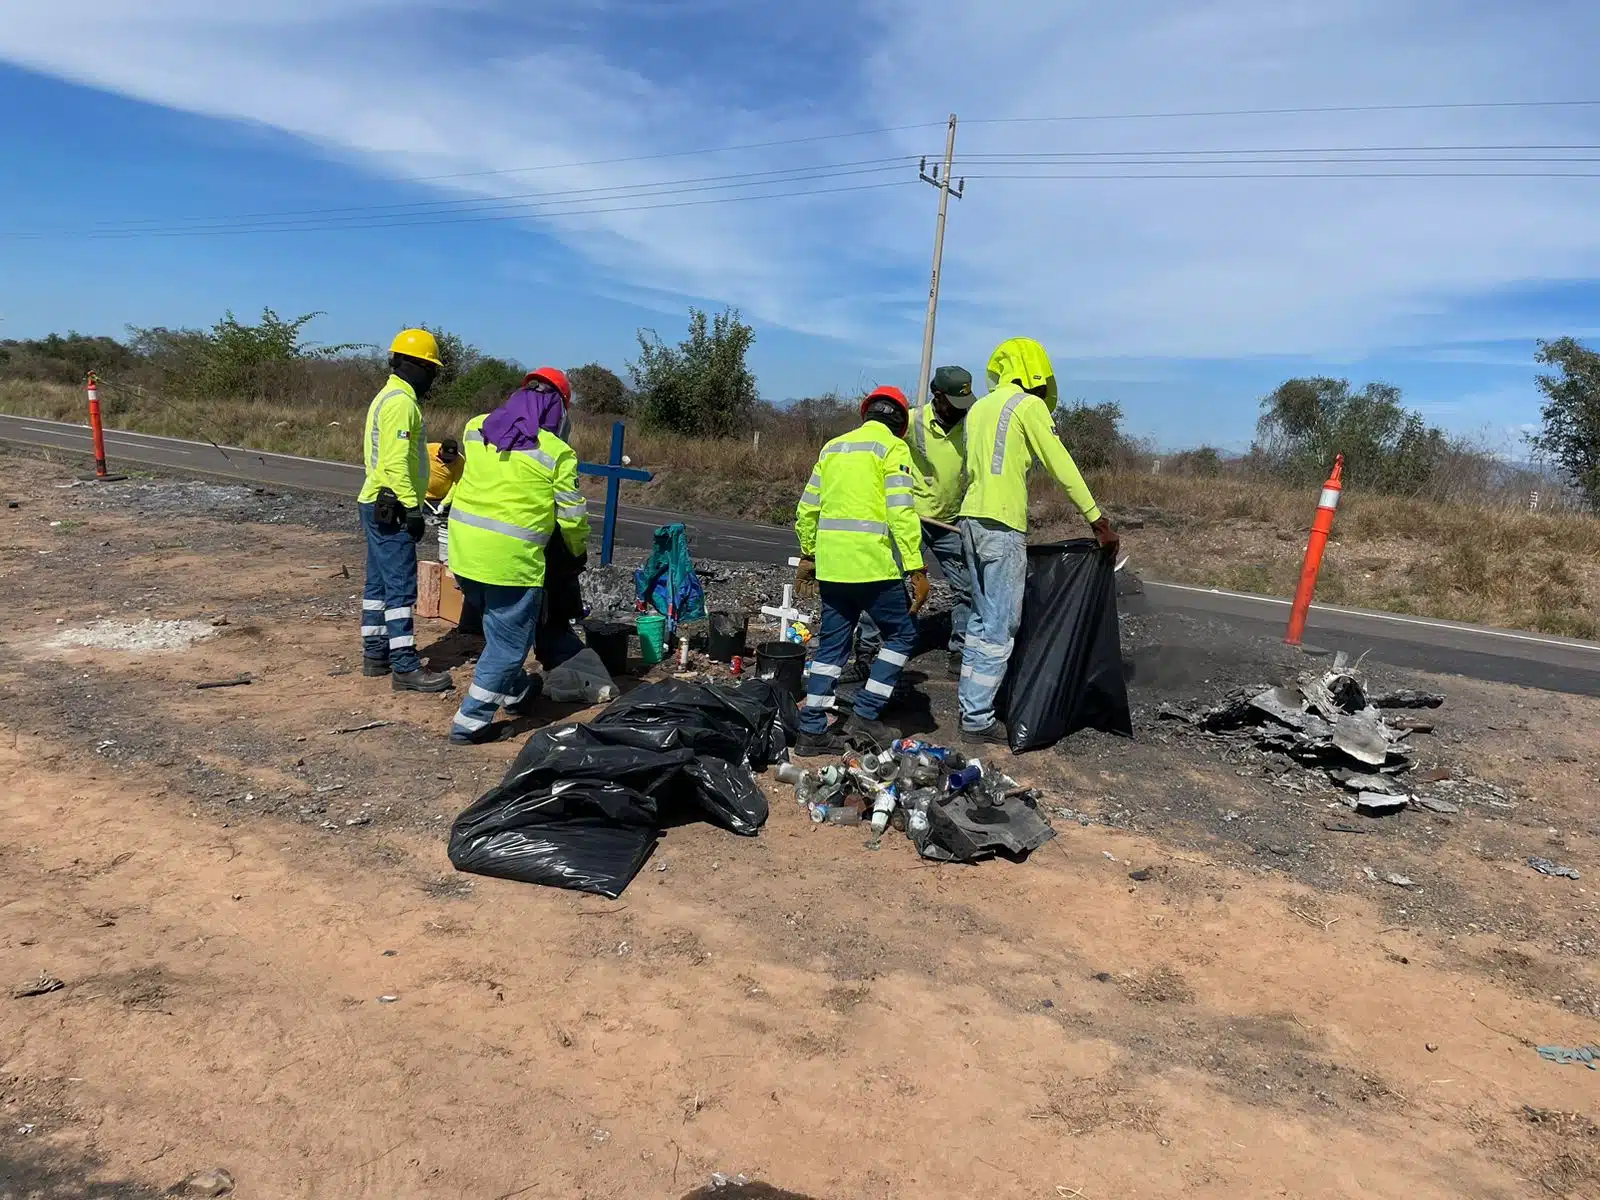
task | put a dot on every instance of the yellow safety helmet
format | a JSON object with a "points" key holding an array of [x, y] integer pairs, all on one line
{"points": [[417, 343]]}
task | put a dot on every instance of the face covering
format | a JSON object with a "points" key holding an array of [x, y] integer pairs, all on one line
{"points": [[515, 425]]}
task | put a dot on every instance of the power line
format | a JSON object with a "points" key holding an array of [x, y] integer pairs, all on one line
{"points": [[1000, 161], [1447, 149], [1287, 112], [1320, 175], [506, 202], [633, 158], [122, 235]]}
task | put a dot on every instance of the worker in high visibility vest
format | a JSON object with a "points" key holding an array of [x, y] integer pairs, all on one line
{"points": [[1007, 432], [861, 541], [445, 465], [520, 489], [938, 442], [394, 450]]}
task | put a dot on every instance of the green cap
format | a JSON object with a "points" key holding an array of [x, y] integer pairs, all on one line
{"points": [[955, 383]]}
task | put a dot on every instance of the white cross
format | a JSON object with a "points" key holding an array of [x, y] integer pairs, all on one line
{"points": [[786, 612]]}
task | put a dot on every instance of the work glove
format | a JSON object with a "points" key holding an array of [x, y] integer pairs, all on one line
{"points": [[416, 525], [919, 590], [387, 510], [805, 578], [1105, 535]]}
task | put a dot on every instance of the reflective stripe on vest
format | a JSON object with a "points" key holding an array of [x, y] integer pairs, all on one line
{"points": [[538, 455], [998, 463], [377, 417], [877, 448], [521, 533], [842, 525]]}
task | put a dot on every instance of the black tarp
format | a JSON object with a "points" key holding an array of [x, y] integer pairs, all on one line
{"points": [[582, 806], [1066, 668]]}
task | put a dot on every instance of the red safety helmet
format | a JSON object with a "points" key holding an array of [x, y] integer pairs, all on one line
{"points": [[886, 393], [555, 378]]}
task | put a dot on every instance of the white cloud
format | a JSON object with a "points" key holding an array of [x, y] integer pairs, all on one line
{"points": [[1180, 268]]}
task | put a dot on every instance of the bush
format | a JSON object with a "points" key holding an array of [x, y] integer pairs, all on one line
{"points": [[597, 389], [1386, 448], [701, 387]]}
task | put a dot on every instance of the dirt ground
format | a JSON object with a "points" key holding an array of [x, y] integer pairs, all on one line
{"points": [[269, 966]]}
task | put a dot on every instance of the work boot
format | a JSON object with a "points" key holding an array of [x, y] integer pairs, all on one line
{"points": [[491, 732], [992, 734], [374, 667], [864, 734], [525, 706], [952, 664], [857, 671], [422, 681], [826, 744]]}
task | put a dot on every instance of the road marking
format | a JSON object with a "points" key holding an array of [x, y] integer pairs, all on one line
{"points": [[1392, 618]]}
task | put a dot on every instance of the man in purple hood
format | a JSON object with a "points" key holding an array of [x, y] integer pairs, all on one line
{"points": [[516, 512]]}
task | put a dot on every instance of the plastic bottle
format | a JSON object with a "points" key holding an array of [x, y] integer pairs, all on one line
{"points": [[882, 805], [917, 824], [805, 791], [788, 773], [841, 814], [963, 779]]}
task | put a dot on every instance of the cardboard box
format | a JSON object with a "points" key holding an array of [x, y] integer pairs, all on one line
{"points": [[450, 598]]}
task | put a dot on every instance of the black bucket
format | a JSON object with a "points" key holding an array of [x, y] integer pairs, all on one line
{"points": [[609, 639], [727, 635], [784, 663]]}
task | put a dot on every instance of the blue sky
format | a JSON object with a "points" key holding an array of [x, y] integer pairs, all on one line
{"points": [[1183, 298]]}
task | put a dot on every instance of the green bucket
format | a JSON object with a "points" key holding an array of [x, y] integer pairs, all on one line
{"points": [[652, 631]]}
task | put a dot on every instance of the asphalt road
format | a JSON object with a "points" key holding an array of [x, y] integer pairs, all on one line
{"points": [[1497, 655]]}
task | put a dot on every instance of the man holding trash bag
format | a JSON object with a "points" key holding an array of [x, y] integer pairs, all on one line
{"points": [[860, 539], [1007, 432]]}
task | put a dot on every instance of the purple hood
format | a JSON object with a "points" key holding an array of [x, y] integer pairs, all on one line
{"points": [[515, 424]]}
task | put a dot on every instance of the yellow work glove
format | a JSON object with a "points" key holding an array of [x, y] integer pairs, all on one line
{"points": [[919, 590], [805, 578]]}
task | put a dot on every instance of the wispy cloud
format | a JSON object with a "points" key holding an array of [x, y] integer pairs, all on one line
{"points": [[1197, 268]]}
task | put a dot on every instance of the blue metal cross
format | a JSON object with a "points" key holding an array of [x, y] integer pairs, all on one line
{"points": [[613, 473]]}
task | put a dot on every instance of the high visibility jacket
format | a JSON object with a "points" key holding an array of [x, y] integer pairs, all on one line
{"points": [[857, 516], [509, 504], [1008, 431], [939, 455], [442, 478], [393, 447]]}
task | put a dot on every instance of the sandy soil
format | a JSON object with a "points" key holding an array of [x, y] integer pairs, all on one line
{"points": [[227, 889]]}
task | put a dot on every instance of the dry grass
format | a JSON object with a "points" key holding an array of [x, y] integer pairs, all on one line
{"points": [[1483, 563]]}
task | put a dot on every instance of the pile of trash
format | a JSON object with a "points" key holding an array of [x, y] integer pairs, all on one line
{"points": [[1332, 723], [582, 806], [950, 807]]}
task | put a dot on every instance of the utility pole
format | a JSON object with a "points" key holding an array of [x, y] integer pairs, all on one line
{"points": [[940, 180]]}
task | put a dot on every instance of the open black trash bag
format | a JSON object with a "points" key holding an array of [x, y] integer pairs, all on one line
{"points": [[1066, 668], [582, 806]]}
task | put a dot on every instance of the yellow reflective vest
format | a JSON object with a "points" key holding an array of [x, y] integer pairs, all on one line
{"points": [[939, 456], [509, 504], [393, 447], [1008, 431], [857, 515]]}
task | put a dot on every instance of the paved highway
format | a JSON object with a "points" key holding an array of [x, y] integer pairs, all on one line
{"points": [[1504, 656]]}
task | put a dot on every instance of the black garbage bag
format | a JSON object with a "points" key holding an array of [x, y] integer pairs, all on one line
{"points": [[1066, 668], [582, 806]]}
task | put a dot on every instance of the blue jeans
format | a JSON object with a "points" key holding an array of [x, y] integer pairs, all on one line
{"points": [[510, 626], [944, 546], [843, 604], [387, 633], [997, 558]]}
